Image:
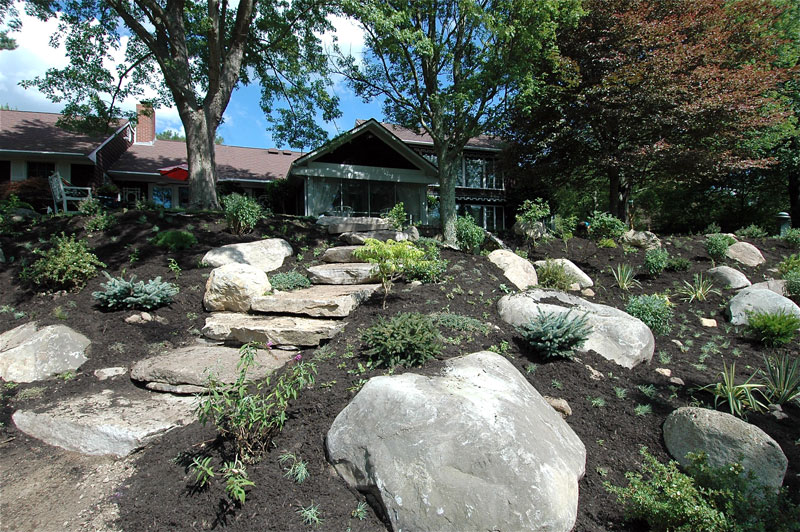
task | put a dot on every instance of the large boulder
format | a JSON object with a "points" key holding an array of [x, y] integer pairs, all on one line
{"points": [[233, 286], [616, 335], [341, 254], [583, 280], [519, 271], [344, 273], [28, 353], [266, 255], [357, 239], [343, 224], [319, 301], [745, 253], [279, 330], [729, 277], [725, 439], [641, 239], [757, 299], [474, 448], [774, 285]]}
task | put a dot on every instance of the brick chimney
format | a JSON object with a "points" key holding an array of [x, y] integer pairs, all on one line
{"points": [[146, 124]]}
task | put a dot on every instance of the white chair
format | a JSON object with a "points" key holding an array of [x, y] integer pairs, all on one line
{"points": [[62, 194]]}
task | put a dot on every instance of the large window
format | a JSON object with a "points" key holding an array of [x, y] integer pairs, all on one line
{"points": [[5, 171], [473, 171], [40, 169], [490, 217]]}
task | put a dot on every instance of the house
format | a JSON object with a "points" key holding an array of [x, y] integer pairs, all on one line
{"points": [[364, 171]]}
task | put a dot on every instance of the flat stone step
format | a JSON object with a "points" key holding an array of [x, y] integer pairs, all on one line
{"points": [[107, 423], [343, 273], [341, 254], [280, 330], [319, 301], [186, 369]]}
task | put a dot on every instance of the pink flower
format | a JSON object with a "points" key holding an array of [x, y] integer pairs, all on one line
{"points": [[298, 358]]}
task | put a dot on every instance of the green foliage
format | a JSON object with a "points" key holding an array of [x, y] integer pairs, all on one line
{"points": [[789, 264], [717, 246], [459, 322], [624, 277], [397, 216], [792, 279], [751, 231], [553, 275], [556, 334], [242, 213], [66, 265], [606, 243], [781, 379], [407, 339], [699, 289], [655, 261], [236, 480], [530, 213], [678, 264], [100, 222], [739, 397], [288, 281], [431, 268], [294, 468], [469, 235], [654, 310], [391, 259], [310, 515], [118, 293], [773, 329], [90, 207], [360, 512], [792, 237], [605, 226], [203, 470], [174, 239]]}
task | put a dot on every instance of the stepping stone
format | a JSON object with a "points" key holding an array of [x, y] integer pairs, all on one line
{"points": [[28, 353], [186, 370], [266, 255], [320, 301], [107, 422], [280, 330], [346, 273], [340, 254]]}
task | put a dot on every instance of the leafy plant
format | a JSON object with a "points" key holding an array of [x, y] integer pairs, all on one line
{"points": [[174, 267], [700, 289], [397, 216], [789, 264], [431, 268], [118, 293], [781, 379], [236, 480], [655, 261], [654, 310], [751, 231], [717, 246], [294, 468], [360, 512], [407, 339], [460, 322], [390, 258], [773, 329], [738, 397], [792, 279], [203, 470], [68, 264], [624, 277], [678, 264], [100, 222], [643, 410], [469, 235], [310, 515], [288, 281], [242, 213], [565, 228], [553, 275], [174, 239], [605, 226], [531, 212], [607, 243], [792, 237], [556, 334]]}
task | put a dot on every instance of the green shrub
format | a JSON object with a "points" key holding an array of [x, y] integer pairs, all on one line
{"points": [[66, 265], [781, 379], [789, 264], [751, 231], [397, 216], [459, 322], [530, 213], [100, 222], [469, 235], [792, 237], [391, 259], [553, 275], [431, 268], [118, 293], [773, 329], [654, 310], [739, 397], [556, 334], [655, 261], [288, 281], [603, 225], [717, 246], [678, 264], [242, 213], [174, 239], [407, 339], [90, 207], [792, 279], [606, 243]]}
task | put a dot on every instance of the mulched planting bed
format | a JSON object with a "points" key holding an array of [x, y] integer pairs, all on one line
{"points": [[162, 494]]}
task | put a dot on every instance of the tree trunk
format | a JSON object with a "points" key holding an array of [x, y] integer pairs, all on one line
{"points": [[447, 196], [200, 134], [619, 190]]}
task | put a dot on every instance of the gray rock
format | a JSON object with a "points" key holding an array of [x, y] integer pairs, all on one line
{"points": [[755, 299], [266, 255], [774, 285], [728, 277], [356, 239], [319, 301], [188, 368], [342, 224], [106, 422], [745, 253], [559, 405], [584, 281], [641, 239], [2, 256], [28, 353], [341, 254], [233, 286], [532, 231], [280, 330], [109, 373], [725, 439], [412, 233], [616, 335], [343, 273], [519, 271], [475, 448]]}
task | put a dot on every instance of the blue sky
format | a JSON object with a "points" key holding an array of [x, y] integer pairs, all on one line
{"points": [[244, 121]]}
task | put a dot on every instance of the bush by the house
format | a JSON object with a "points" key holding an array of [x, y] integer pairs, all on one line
{"points": [[789, 264], [678, 264], [556, 334], [773, 329], [397, 216], [605, 226], [717, 246], [242, 213], [67, 264], [118, 293], [407, 339], [792, 237], [751, 231], [654, 310], [655, 261], [431, 268], [287, 281], [174, 240], [390, 258], [469, 235], [553, 275]]}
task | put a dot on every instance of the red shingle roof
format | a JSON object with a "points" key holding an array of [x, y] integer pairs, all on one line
{"points": [[420, 137], [29, 131]]}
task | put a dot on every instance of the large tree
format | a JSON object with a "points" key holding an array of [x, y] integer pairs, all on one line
{"points": [[195, 53], [653, 90], [448, 67]]}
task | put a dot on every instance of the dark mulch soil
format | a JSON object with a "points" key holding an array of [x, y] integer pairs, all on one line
{"points": [[162, 494]]}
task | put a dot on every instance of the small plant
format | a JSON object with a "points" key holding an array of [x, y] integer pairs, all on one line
{"points": [[717, 246], [397, 216], [100, 222], [751, 231], [469, 235], [294, 468], [781, 379], [607, 243], [360, 512], [431, 268], [773, 329], [556, 334], [407, 339], [620, 392], [789, 264], [643, 410], [460, 322], [236, 480], [390, 258], [118, 293], [531, 212], [203, 470], [557, 384], [596, 402], [174, 267], [678, 264], [654, 310], [501, 349], [605, 226], [289, 281], [655, 261], [174, 240], [67, 265], [648, 390], [624, 277], [565, 228], [792, 279], [242, 213], [553, 275], [792, 237], [738, 397], [700, 289], [310, 515], [134, 255], [60, 313]]}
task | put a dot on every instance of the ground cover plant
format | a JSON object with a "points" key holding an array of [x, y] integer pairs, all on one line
{"points": [[614, 414]]}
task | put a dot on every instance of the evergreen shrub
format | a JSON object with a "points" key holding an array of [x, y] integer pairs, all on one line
{"points": [[678, 264], [407, 339], [773, 329], [792, 237], [789, 264], [556, 334], [288, 281], [431, 268], [605, 226], [553, 275], [717, 246], [118, 293], [174, 240], [654, 310], [751, 231]]}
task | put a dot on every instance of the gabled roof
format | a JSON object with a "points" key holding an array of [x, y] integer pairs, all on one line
{"points": [[421, 138], [26, 131]]}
